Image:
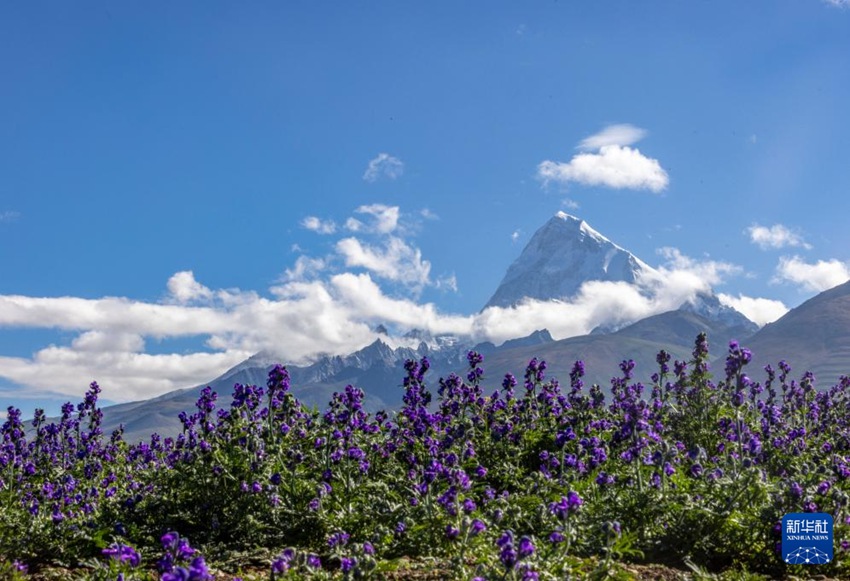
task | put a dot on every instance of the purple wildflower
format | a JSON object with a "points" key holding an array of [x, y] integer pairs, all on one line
{"points": [[477, 527]]}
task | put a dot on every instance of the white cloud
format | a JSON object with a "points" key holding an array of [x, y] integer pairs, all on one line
{"points": [[776, 236], [305, 268], [428, 214], [760, 311], [123, 376], [384, 166], [110, 314], [596, 303], [817, 277], [385, 219], [570, 204], [109, 342], [360, 294], [704, 274], [622, 135], [318, 225], [515, 236], [9, 216], [395, 260], [183, 288], [838, 3], [354, 225], [304, 319], [614, 165]]}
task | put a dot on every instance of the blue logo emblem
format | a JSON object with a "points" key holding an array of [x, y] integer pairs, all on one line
{"points": [[807, 538]]}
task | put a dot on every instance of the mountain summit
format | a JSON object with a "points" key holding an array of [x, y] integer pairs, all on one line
{"points": [[563, 254]]}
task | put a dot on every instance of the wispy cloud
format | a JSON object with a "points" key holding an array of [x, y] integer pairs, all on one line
{"points": [[776, 236], [352, 224], [9, 216], [515, 236], [814, 277], [711, 272], [838, 3], [305, 268], [607, 160], [388, 255], [622, 135], [318, 225], [384, 166], [447, 283], [384, 218]]}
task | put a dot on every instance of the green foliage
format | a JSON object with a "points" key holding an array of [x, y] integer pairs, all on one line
{"points": [[694, 471]]}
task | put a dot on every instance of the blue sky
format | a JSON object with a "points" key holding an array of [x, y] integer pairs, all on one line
{"points": [[179, 181]]}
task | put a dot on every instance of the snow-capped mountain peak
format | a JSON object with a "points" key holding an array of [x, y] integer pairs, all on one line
{"points": [[562, 255]]}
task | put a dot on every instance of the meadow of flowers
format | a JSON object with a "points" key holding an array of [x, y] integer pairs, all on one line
{"points": [[527, 479]]}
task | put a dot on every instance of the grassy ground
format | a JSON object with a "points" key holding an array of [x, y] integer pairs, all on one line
{"points": [[250, 569]]}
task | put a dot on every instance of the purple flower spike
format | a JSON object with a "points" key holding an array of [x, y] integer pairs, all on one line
{"points": [[123, 554], [347, 564], [314, 562], [169, 540]]}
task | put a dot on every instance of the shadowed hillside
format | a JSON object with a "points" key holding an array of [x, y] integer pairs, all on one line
{"points": [[812, 337]]}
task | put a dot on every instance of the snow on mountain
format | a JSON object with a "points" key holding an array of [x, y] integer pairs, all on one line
{"points": [[562, 255], [566, 252], [709, 307]]}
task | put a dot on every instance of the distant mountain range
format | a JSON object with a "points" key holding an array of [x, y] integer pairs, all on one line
{"points": [[562, 255], [378, 368]]}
